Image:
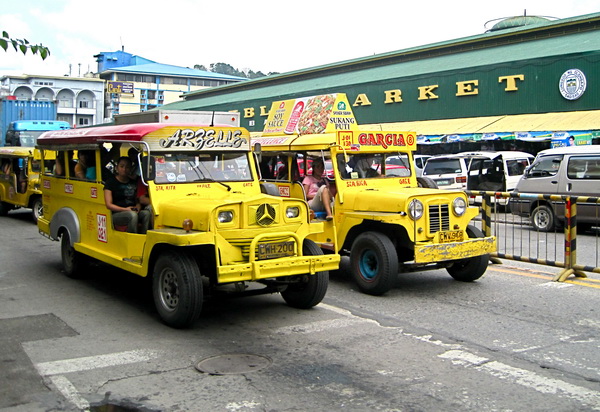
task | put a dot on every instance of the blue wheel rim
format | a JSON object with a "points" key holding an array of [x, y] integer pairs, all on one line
{"points": [[369, 265]]}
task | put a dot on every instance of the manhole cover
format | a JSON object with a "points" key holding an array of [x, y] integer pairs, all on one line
{"points": [[233, 363]]}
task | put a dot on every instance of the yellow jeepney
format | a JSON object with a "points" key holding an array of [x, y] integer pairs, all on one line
{"points": [[213, 229], [385, 218], [20, 180]]}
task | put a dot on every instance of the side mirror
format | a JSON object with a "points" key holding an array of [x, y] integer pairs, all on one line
{"points": [[148, 168]]}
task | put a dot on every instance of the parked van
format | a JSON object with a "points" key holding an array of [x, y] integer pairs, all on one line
{"points": [[20, 180], [496, 171], [448, 171], [573, 171]]}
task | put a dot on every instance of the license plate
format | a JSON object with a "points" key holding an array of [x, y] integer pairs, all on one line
{"points": [[443, 182], [275, 250], [451, 236]]}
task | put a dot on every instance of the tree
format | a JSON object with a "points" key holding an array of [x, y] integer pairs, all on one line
{"points": [[224, 68], [23, 45]]}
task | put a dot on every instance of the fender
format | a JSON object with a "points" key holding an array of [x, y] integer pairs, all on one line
{"points": [[66, 218]]}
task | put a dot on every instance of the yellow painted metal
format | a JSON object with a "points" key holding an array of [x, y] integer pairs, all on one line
{"points": [[233, 244], [440, 252]]}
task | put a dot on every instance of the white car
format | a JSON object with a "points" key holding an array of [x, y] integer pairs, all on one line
{"points": [[448, 171]]}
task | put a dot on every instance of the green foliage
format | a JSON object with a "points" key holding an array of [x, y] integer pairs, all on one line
{"points": [[23, 45], [224, 68]]}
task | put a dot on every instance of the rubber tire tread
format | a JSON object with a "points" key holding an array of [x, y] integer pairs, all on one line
{"points": [[74, 263], [387, 259], [190, 289], [311, 293], [552, 218], [426, 182], [471, 269]]}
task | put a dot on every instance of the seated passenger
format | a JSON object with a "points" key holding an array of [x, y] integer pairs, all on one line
{"points": [[85, 167], [317, 190], [120, 198]]}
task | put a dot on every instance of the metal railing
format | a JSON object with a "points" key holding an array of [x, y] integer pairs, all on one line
{"points": [[518, 239]]}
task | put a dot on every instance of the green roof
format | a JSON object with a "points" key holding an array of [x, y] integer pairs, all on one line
{"points": [[574, 35]]}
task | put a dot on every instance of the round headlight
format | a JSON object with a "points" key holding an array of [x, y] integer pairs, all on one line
{"points": [[292, 212], [415, 209], [225, 216], [459, 205]]}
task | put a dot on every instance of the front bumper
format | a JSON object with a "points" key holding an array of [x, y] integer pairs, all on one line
{"points": [[440, 252]]}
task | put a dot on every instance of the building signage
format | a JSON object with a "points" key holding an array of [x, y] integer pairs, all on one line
{"points": [[119, 87], [572, 84], [310, 115]]}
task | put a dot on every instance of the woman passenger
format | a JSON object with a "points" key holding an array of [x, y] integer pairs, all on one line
{"points": [[317, 190]]}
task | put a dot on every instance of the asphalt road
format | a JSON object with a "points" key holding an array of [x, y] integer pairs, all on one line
{"points": [[512, 341]]}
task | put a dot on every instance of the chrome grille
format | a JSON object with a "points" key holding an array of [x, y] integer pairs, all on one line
{"points": [[439, 218]]}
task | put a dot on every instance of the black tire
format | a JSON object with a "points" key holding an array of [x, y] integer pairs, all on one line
{"points": [[543, 219], [5, 208], [74, 263], [426, 182], [374, 263], [468, 270], [311, 289], [177, 289], [37, 208]]}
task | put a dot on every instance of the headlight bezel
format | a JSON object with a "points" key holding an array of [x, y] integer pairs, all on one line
{"points": [[456, 208], [416, 209], [292, 212], [225, 216]]}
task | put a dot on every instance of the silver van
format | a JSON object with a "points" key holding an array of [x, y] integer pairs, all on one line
{"points": [[574, 171]]}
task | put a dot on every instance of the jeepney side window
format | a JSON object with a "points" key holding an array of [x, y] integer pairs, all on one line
{"points": [[6, 167], [58, 169], [397, 164], [545, 166], [35, 165], [360, 166], [109, 154], [267, 167]]}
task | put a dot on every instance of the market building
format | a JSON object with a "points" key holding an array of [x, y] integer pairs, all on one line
{"points": [[522, 83], [136, 84]]}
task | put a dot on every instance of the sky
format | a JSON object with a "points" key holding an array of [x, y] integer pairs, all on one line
{"points": [[263, 35]]}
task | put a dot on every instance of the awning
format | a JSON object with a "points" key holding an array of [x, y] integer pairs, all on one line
{"points": [[544, 122]]}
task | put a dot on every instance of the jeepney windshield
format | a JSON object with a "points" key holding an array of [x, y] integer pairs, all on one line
{"points": [[374, 165], [202, 167]]}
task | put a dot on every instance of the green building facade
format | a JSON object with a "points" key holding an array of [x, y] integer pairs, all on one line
{"points": [[528, 83]]}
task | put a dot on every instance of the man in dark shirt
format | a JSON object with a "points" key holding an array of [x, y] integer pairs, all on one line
{"points": [[120, 198]]}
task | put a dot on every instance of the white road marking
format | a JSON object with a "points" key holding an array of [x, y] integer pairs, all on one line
{"points": [[94, 362], [524, 377], [318, 326], [69, 392]]}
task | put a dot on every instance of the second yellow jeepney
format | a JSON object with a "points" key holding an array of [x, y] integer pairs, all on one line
{"points": [[385, 218], [20, 180], [213, 230]]}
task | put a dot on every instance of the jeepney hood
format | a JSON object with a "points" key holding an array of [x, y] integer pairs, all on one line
{"points": [[380, 200], [203, 211]]}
